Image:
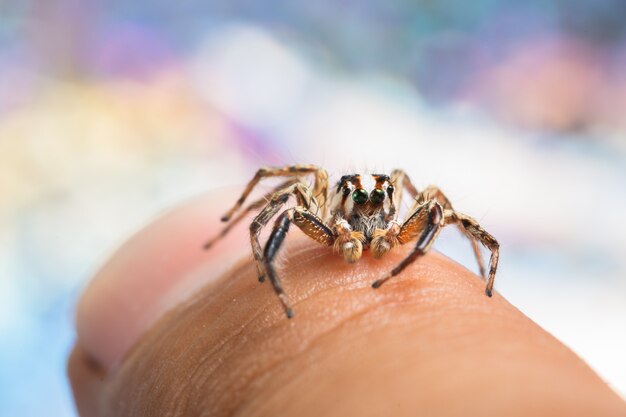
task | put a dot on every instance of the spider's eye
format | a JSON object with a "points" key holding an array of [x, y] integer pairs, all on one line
{"points": [[377, 196], [359, 196]]}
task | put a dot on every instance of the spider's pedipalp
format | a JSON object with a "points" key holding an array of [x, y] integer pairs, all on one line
{"points": [[385, 240], [348, 242]]}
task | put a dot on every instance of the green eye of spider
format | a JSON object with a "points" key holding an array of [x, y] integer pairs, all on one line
{"points": [[359, 196], [377, 196]]}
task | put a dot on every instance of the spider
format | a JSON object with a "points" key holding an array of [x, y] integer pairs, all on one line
{"points": [[358, 219]]}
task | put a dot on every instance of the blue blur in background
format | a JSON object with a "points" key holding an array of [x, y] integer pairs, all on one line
{"points": [[111, 112]]}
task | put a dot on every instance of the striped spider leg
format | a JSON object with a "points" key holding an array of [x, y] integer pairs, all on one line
{"points": [[402, 181], [311, 225], [340, 236], [269, 205], [271, 202], [320, 184], [360, 219], [254, 206], [425, 222]]}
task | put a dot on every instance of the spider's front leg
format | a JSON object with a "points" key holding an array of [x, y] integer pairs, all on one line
{"points": [[425, 222], [311, 225]]}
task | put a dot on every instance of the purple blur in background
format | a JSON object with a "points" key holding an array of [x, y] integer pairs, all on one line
{"points": [[111, 112]]}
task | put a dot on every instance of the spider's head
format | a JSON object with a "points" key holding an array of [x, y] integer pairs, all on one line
{"points": [[353, 197]]}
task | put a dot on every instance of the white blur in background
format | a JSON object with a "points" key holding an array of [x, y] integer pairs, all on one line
{"points": [[84, 163]]}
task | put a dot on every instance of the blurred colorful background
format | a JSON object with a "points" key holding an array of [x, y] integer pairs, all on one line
{"points": [[112, 112]]}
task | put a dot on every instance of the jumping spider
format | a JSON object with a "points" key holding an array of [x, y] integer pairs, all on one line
{"points": [[358, 220]]}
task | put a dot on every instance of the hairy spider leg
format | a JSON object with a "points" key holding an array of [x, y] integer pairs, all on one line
{"points": [[304, 198], [311, 225], [426, 221], [480, 234], [401, 181], [320, 185], [400, 177], [435, 192], [251, 207]]}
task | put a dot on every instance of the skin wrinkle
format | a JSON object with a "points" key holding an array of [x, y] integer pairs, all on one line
{"points": [[359, 336], [363, 312], [221, 346], [317, 341], [338, 352], [286, 361], [216, 291], [302, 349], [223, 342], [360, 284], [252, 347], [209, 387], [217, 295]]}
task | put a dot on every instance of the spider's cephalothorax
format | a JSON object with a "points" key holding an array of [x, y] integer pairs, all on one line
{"points": [[362, 216]]}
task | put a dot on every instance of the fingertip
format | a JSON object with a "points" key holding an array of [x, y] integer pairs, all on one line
{"points": [[429, 334]]}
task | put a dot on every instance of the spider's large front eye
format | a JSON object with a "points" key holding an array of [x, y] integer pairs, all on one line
{"points": [[359, 196], [377, 196]]}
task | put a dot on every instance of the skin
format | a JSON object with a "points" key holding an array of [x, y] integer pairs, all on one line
{"points": [[167, 329]]}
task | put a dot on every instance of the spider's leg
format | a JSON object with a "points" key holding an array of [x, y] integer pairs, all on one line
{"points": [[480, 234], [311, 225], [251, 207], [401, 182], [320, 186], [274, 242], [435, 192], [425, 222], [278, 199]]}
